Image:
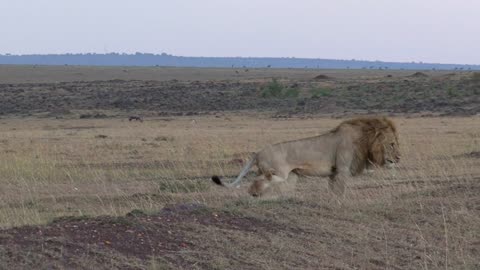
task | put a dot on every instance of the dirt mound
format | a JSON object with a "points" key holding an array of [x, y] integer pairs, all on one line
{"points": [[322, 77], [418, 75], [136, 235]]}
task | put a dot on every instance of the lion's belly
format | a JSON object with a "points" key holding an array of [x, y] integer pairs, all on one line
{"points": [[314, 169], [312, 161]]}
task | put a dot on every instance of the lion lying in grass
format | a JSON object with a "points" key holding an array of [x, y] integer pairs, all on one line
{"points": [[339, 154]]}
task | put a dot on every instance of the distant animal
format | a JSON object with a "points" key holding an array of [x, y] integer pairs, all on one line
{"points": [[339, 154], [135, 118]]}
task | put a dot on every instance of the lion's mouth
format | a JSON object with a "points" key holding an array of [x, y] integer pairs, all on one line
{"points": [[392, 160], [390, 163]]}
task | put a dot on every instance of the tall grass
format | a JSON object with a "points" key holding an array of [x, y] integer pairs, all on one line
{"points": [[63, 170]]}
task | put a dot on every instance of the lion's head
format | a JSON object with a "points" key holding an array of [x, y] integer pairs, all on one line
{"points": [[379, 140]]}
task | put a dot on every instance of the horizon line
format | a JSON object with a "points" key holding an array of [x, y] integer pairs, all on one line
{"points": [[238, 57]]}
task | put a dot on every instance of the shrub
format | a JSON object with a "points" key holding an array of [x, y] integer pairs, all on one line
{"points": [[320, 92], [451, 92], [276, 90], [273, 89]]}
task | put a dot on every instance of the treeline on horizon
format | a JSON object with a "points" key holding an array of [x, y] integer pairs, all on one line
{"points": [[149, 59]]}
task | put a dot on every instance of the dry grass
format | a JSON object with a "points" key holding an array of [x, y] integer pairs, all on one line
{"points": [[53, 168], [49, 74]]}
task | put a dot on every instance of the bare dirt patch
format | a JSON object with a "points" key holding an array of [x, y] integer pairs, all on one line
{"points": [[136, 235]]}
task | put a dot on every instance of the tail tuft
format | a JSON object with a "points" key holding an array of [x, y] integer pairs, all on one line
{"points": [[217, 180]]}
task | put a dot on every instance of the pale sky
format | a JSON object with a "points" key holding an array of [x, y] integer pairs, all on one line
{"points": [[439, 31]]}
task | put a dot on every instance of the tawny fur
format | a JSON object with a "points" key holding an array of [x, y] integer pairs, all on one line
{"points": [[338, 154]]}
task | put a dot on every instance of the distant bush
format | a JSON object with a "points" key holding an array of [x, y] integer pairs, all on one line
{"points": [[273, 89], [451, 92], [277, 90]]}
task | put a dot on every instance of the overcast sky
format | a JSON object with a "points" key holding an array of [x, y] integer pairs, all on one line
{"points": [[440, 31]]}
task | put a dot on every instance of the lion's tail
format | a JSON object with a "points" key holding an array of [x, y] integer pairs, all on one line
{"points": [[242, 174]]}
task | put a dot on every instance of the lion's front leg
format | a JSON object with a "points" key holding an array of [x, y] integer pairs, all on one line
{"points": [[343, 169]]}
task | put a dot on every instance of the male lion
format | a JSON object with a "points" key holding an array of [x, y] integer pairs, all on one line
{"points": [[340, 153]]}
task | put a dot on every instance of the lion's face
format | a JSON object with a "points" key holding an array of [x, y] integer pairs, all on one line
{"points": [[391, 149], [385, 150]]}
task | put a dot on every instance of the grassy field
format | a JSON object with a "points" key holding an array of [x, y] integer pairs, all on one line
{"points": [[52, 74], [81, 187], [423, 214]]}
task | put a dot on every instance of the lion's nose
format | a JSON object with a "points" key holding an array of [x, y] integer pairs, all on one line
{"points": [[254, 195]]}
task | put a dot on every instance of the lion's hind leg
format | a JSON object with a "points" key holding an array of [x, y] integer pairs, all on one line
{"points": [[265, 181], [343, 169], [259, 186]]}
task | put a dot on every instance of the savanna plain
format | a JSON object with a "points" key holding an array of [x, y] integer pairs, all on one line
{"points": [[84, 187]]}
